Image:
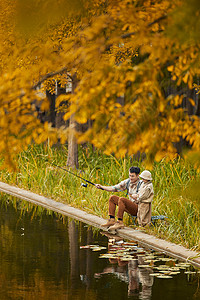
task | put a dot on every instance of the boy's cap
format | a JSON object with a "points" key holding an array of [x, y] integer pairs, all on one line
{"points": [[146, 175]]}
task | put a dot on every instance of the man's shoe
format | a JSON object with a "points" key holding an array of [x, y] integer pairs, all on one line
{"points": [[109, 223], [119, 224]]}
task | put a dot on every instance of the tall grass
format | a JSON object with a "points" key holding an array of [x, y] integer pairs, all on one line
{"points": [[172, 184]]}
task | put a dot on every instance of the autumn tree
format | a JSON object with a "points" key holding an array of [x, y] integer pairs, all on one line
{"points": [[31, 63], [148, 121], [119, 50]]}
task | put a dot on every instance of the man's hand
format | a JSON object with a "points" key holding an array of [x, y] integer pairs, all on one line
{"points": [[105, 188], [133, 196], [98, 186]]}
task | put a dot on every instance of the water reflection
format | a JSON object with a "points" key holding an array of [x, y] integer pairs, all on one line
{"points": [[133, 276], [40, 258], [129, 272]]}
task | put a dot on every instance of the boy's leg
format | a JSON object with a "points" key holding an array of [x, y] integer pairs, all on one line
{"points": [[144, 214]]}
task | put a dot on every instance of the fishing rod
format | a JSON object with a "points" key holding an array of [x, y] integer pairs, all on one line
{"points": [[84, 185]]}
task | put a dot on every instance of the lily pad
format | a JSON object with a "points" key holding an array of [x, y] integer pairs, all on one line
{"points": [[150, 257], [165, 271], [162, 267], [98, 248], [167, 259], [106, 256], [151, 260], [155, 274], [174, 269], [174, 273], [126, 258], [184, 265], [164, 277]]}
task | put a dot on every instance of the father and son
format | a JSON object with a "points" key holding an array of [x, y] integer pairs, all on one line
{"points": [[140, 193]]}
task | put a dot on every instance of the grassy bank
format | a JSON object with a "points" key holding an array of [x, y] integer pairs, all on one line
{"points": [[171, 181]]}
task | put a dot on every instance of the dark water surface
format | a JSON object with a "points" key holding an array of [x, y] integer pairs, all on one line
{"points": [[40, 258]]}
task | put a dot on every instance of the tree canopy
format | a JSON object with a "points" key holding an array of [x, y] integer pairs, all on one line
{"points": [[125, 54]]}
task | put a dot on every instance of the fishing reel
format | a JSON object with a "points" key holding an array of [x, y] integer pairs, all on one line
{"points": [[84, 184]]}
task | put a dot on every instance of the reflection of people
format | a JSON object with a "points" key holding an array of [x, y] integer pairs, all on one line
{"points": [[144, 198], [136, 276], [117, 268], [133, 284], [129, 205], [145, 279], [139, 275]]}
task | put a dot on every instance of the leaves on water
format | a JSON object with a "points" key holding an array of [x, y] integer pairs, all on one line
{"points": [[93, 247], [190, 272], [162, 267], [164, 277]]}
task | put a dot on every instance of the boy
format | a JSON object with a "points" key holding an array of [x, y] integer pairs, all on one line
{"points": [[144, 198]]}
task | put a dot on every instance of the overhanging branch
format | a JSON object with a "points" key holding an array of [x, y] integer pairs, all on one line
{"points": [[124, 36], [49, 75]]}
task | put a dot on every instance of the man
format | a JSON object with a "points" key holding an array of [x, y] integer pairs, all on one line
{"points": [[124, 205]]}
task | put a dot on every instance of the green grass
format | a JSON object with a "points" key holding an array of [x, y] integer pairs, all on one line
{"points": [[175, 193]]}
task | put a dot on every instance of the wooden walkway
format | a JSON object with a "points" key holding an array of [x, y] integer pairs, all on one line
{"points": [[144, 239]]}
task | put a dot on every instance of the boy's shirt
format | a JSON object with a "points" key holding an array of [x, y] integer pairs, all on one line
{"points": [[145, 194]]}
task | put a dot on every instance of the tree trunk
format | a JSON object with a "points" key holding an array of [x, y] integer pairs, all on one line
{"points": [[52, 111], [72, 159], [74, 253], [198, 108]]}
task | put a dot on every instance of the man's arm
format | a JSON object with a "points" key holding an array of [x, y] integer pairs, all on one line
{"points": [[105, 188]]}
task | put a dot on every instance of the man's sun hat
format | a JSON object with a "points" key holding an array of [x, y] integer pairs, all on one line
{"points": [[146, 175]]}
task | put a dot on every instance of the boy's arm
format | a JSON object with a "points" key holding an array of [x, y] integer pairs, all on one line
{"points": [[144, 195]]}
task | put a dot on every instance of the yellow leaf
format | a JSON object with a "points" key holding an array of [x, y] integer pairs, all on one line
{"points": [[170, 68], [192, 101], [185, 78], [45, 105]]}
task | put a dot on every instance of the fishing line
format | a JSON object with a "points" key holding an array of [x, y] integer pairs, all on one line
{"points": [[74, 175]]}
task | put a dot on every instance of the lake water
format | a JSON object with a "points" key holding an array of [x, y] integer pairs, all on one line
{"points": [[42, 256]]}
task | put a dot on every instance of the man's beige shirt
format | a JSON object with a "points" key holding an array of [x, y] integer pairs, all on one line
{"points": [[122, 187]]}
